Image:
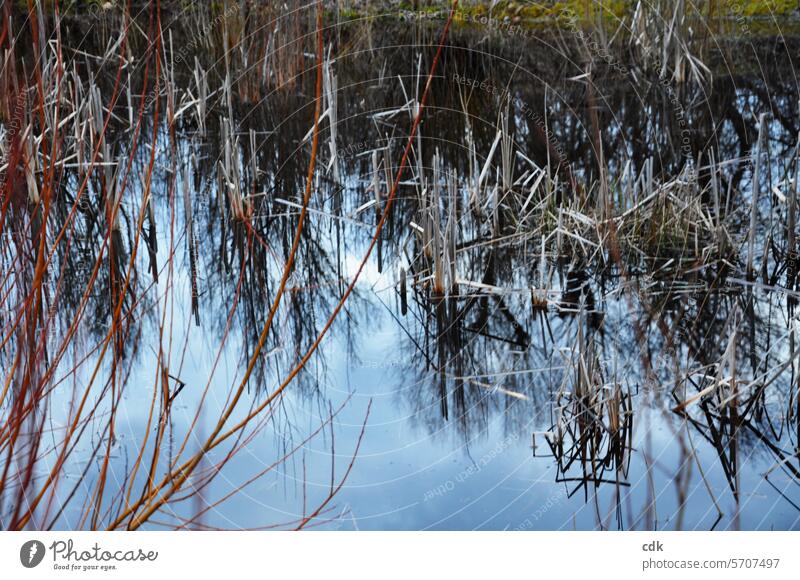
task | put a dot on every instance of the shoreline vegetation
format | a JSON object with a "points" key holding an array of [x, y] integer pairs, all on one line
{"points": [[763, 14], [177, 212]]}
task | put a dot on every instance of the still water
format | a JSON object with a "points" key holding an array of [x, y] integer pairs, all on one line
{"points": [[552, 386]]}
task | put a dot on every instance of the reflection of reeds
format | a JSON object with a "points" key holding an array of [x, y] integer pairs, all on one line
{"points": [[504, 253], [593, 423]]}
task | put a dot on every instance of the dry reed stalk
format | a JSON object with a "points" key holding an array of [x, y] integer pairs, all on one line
{"points": [[756, 188]]}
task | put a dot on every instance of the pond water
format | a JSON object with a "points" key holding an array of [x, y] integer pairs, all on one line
{"points": [[507, 359]]}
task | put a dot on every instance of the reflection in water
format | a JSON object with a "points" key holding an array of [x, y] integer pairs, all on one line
{"points": [[561, 271]]}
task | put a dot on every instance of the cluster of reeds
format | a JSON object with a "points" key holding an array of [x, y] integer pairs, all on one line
{"points": [[592, 431], [479, 242], [721, 231]]}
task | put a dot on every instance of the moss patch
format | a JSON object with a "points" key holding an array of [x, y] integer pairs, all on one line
{"points": [[548, 11]]}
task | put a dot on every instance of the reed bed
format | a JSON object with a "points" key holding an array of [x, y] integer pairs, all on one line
{"points": [[491, 249]]}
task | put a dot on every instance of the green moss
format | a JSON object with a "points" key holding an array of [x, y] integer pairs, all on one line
{"points": [[533, 11], [530, 11], [766, 7], [349, 14]]}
